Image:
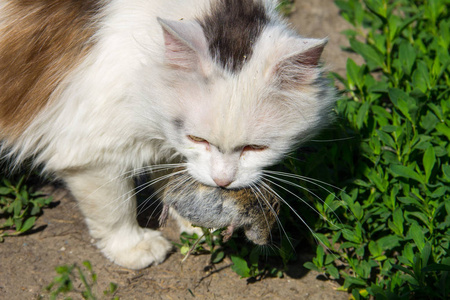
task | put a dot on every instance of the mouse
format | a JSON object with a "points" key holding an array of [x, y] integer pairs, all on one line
{"points": [[256, 211]]}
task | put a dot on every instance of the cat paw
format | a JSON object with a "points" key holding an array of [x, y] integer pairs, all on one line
{"points": [[138, 250]]}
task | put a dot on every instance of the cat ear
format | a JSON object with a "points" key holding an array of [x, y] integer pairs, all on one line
{"points": [[300, 66], [185, 44]]}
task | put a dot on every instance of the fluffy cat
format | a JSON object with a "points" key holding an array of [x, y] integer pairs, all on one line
{"points": [[95, 90]]}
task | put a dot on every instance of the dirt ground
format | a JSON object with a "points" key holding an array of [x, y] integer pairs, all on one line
{"points": [[60, 237]]}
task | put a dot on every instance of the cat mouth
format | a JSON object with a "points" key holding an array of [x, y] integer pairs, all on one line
{"points": [[253, 209]]}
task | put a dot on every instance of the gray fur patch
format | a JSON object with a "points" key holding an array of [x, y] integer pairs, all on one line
{"points": [[231, 30]]}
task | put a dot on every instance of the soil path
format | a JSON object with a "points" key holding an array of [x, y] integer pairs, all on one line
{"points": [[27, 263]]}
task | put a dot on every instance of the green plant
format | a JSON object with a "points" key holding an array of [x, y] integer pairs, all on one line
{"points": [[209, 243], [19, 207], [247, 263], [246, 258], [388, 225], [64, 282]]}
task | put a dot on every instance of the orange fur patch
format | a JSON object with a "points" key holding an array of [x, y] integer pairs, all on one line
{"points": [[41, 41]]}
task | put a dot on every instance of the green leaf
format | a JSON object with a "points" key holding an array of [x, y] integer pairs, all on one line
{"points": [[18, 223], [323, 239], [349, 281], [389, 128], [320, 254], [407, 57], [5, 190], [403, 102], [402, 171], [374, 177], [333, 271], [426, 253], [217, 257], [429, 160], [398, 219], [373, 57], [17, 205], [362, 114], [408, 253], [446, 171], [388, 242], [351, 236], [375, 249], [29, 223], [417, 235], [439, 192], [429, 121], [443, 129], [387, 139], [309, 265], [240, 266], [376, 7], [353, 74], [421, 77]]}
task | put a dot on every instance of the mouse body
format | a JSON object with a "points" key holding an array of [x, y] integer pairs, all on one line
{"points": [[213, 207]]}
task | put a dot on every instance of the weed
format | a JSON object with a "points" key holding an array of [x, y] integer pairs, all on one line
{"points": [[209, 243], [19, 207], [394, 232], [246, 258], [64, 282]]}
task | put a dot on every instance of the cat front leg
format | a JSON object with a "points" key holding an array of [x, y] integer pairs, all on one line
{"points": [[109, 206]]}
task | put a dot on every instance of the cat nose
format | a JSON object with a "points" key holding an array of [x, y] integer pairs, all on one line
{"points": [[222, 182]]}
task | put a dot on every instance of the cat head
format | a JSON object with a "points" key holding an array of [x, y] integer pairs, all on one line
{"points": [[244, 91]]}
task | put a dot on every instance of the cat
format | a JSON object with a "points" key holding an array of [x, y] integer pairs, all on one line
{"points": [[95, 91]]}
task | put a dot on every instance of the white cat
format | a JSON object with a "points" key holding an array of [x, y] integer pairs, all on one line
{"points": [[94, 90]]}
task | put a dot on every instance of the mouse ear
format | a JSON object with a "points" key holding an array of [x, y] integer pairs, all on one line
{"points": [[299, 64], [185, 44]]}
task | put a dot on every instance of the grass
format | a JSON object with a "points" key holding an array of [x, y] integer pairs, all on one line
{"points": [[19, 206]]}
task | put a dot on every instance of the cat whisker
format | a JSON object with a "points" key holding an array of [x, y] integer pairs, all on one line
{"points": [[290, 192], [267, 203], [155, 193], [258, 194], [273, 192], [183, 179], [312, 181], [334, 140], [143, 187], [296, 214], [131, 174], [181, 182]]}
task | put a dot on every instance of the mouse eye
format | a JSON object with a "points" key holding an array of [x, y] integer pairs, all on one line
{"points": [[254, 148], [196, 139]]}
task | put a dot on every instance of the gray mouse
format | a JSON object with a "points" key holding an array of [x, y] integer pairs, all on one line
{"points": [[214, 207]]}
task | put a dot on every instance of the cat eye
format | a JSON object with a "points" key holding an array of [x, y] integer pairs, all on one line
{"points": [[196, 139], [254, 148]]}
